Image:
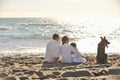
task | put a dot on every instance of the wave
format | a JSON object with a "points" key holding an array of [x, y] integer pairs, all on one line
{"points": [[26, 36], [37, 24], [34, 36], [25, 52], [4, 28]]}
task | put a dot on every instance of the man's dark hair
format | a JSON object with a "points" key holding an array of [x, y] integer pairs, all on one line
{"points": [[55, 36]]}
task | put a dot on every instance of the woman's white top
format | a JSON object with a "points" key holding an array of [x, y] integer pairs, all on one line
{"points": [[66, 51], [76, 57]]}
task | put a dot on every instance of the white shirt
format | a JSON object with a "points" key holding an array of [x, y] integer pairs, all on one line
{"points": [[52, 50], [66, 50], [76, 57]]}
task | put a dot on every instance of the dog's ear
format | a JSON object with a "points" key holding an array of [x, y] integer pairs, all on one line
{"points": [[101, 38], [104, 37]]}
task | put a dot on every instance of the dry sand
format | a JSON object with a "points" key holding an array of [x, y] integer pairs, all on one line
{"points": [[35, 68]]}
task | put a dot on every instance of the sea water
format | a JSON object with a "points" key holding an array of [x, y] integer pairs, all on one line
{"points": [[29, 36]]}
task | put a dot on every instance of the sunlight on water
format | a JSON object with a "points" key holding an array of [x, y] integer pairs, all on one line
{"points": [[29, 36], [91, 30]]}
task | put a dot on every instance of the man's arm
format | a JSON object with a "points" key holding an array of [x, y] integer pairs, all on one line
{"points": [[57, 54], [56, 59]]}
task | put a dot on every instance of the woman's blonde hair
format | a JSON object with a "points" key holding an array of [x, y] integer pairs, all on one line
{"points": [[64, 39]]}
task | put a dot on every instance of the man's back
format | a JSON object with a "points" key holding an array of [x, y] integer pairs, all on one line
{"points": [[52, 50]]}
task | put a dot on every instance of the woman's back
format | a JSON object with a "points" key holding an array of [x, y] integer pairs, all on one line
{"points": [[66, 53]]}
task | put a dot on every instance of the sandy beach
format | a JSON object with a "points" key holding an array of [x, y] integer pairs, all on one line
{"points": [[35, 68]]}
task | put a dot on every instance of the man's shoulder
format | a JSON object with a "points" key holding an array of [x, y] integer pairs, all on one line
{"points": [[53, 42]]}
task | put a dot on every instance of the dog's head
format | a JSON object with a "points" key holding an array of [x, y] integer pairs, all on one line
{"points": [[104, 41]]}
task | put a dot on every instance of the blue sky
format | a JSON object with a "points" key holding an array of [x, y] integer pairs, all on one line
{"points": [[60, 8]]}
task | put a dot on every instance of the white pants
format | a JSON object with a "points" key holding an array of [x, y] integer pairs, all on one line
{"points": [[78, 59]]}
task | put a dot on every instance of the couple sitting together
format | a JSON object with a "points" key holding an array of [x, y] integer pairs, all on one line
{"points": [[65, 52]]}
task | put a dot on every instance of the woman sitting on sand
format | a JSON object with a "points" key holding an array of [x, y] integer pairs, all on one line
{"points": [[77, 57], [67, 52]]}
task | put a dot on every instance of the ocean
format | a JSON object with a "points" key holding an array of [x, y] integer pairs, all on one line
{"points": [[29, 36]]}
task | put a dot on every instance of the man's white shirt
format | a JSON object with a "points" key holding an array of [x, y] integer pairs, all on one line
{"points": [[52, 50]]}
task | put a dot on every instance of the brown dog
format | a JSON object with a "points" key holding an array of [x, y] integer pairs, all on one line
{"points": [[101, 56]]}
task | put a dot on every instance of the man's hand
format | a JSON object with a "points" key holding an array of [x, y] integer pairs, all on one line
{"points": [[72, 52], [56, 59]]}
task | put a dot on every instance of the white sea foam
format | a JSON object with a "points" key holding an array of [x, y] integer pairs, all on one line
{"points": [[25, 51]]}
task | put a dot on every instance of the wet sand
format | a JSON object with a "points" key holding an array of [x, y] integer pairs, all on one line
{"points": [[35, 68]]}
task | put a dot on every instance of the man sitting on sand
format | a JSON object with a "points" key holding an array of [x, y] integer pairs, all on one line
{"points": [[77, 57], [53, 49]]}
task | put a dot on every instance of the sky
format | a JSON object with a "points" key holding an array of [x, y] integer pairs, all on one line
{"points": [[60, 8]]}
